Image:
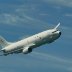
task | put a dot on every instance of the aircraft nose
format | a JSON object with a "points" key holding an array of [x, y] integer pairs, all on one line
{"points": [[59, 33]]}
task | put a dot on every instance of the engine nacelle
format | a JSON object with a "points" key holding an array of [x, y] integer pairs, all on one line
{"points": [[27, 50]]}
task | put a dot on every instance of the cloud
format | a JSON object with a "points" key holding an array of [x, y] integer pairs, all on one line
{"points": [[54, 58], [66, 33], [57, 7], [13, 19], [60, 2], [70, 69], [8, 19], [68, 15], [53, 61], [21, 20], [18, 15], [35, 60], [44, 14]]}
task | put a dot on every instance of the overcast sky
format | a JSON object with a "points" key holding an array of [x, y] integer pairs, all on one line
{"points": [[22, 18]]}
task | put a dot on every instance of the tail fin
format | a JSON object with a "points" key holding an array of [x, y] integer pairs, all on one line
{"points": [[3, 42], [57, 26]]}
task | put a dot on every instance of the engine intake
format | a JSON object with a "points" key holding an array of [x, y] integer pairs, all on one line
{"points": [[27, 50]]}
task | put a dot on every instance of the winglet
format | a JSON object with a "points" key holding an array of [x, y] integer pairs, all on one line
{"points": [[57, 26]]}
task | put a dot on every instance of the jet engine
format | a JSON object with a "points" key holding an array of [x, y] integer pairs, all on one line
{"points": [[27, 50]]}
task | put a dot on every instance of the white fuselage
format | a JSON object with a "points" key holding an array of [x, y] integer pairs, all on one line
{"points": [[34, 41]]}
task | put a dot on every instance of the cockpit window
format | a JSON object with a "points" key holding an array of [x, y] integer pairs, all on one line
{"points": [[54, 31]]}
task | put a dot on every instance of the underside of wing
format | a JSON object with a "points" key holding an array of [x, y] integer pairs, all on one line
{"points": [[28, 49]]}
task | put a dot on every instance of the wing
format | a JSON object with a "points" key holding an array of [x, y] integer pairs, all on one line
{"points": [[24, 50], [28, 48]]}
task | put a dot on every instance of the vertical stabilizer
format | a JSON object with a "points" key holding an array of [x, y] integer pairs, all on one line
{"points": [[3, 42]]}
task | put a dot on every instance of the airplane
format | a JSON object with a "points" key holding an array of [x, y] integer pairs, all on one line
{"points": [[27, 45]]}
